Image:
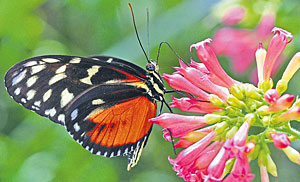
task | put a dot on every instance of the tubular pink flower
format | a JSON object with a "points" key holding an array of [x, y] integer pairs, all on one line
{"points": [[188, 155], [280, 140], [271, 96], [279, 41], [207, 56], [292, 114], [211, 76], [168, 120], [200, 133], [201, 80], [241, 171], [234, 15], [183, 143], [181, 130], [265, 25], [178, 82], [264, 177], [282, 103], [239, 45], [239, 139], [208, 155], [216, 167], [189, 105]]}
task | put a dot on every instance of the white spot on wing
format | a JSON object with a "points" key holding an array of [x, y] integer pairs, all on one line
{"points": [[92, 149], [51, 60], [30, 63], [66, 97], [61, 118], [105, 154], [19, 77], [23, 100], [112, 81], [97, 102], [47, 112], [109, 60], [75, 60], [61, 69], [98, 153], [30, 94], [31, 81], [37, 103], [74, 114], [56, 78], [37, 68], [91, 71], [47, 95], [87, 147], [17, 91], [52, 112], [119, 152], [112, 154]]}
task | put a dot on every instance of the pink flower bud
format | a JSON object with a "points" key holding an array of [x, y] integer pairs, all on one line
{"points": [[280, 140], [282, 103], [249, 147], [168, 120], [279, 41], [189, 154], [292, 114], [207, 56], [271, 96], [189, 105], [202, 81], [178, 82]]}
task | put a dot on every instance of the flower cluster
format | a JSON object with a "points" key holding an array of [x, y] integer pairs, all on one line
{"points": [[218, 145]]}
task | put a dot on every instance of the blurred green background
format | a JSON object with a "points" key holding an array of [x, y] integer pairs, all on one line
{"points": [[34, 149]]}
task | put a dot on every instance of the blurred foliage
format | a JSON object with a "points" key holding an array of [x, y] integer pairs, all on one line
{"points": [[34, 149]]}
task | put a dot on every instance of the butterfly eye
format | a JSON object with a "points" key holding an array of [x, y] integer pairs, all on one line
{"points": [[150, 67]]}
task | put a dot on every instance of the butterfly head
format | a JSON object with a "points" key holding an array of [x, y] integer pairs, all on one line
{"points": [[152, 66]]}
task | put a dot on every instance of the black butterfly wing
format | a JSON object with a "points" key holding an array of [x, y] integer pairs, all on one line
{"points": [[102, 101], [47, 84]]}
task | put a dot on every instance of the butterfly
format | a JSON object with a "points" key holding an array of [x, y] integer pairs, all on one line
{"points": [[103, 102]]}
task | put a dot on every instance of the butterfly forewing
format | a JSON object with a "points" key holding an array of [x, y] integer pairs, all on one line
{"points": [[46, 84], [103, 102]]}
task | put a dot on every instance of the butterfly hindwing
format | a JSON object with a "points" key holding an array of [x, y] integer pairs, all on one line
{"points": [[108, 127]]}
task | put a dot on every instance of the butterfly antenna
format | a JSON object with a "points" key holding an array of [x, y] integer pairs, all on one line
{"points": [[148, 30], [170, 48], [136, 32]]}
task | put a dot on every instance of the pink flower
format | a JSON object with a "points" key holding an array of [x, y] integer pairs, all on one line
{"points": [[271, 96], [276, 47], [216, 145], [234, 15], [281, 103], [240, 44], [280, 140]]}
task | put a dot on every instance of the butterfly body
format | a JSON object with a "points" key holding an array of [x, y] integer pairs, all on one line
{"points": [[103, 102]]}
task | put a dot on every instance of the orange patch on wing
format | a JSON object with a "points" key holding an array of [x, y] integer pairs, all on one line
{"points": [[123, 123]]}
